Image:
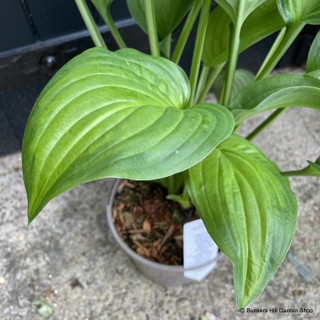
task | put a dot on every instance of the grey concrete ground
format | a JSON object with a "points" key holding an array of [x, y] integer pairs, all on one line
{"points": [[68, 258]]}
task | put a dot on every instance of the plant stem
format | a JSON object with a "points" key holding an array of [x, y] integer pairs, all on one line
{"points": [[113, 29], [172, 183], [185, 32], [185, 195], [202, 81], [152, 27], [184, 199], [173, 186], [233, 57], [297, 173], [90, 23], [266, 123], [271, 52], [278, 49], [282, 43], [198, 49], [212, 77]]}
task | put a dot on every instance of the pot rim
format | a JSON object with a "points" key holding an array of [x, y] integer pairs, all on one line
{"points": [[132, 253]]}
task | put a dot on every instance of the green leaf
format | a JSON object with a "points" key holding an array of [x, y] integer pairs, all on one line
{"points": [[120, 114], [314, 18], [239, 9], [241, 79], [280, 91], [101, 5], [297, 11], [262, 22], [168, 14], [314, 168], [136, 9], [313, 61], [184, 201], [248, 209]]}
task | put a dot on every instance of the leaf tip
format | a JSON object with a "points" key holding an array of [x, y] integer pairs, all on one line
{"points": [[31, 217], [32, 212]]}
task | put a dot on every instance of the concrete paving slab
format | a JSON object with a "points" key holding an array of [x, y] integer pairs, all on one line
{"points": [[68, 258]]}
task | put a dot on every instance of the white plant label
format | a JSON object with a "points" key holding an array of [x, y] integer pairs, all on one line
{"points": [[198, 249]]}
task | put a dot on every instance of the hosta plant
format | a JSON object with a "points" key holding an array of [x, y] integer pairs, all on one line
{"points": [[133, 115]]}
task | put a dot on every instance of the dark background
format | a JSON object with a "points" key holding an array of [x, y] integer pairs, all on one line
{"points": [[38, 37]]}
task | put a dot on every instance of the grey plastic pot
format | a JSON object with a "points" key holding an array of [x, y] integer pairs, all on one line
{"points": [[165, 275]]}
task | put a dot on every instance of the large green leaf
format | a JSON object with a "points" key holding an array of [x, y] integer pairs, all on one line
{"points": [[313, 62], [168, 14], [296, 11], [248, 209], [117, 114], [262, 22], [280, 91]]}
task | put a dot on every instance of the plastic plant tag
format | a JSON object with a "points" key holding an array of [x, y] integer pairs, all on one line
{"points": [[198, 249]]}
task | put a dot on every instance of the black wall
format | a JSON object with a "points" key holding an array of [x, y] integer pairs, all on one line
{"points": [[26, 22]]}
